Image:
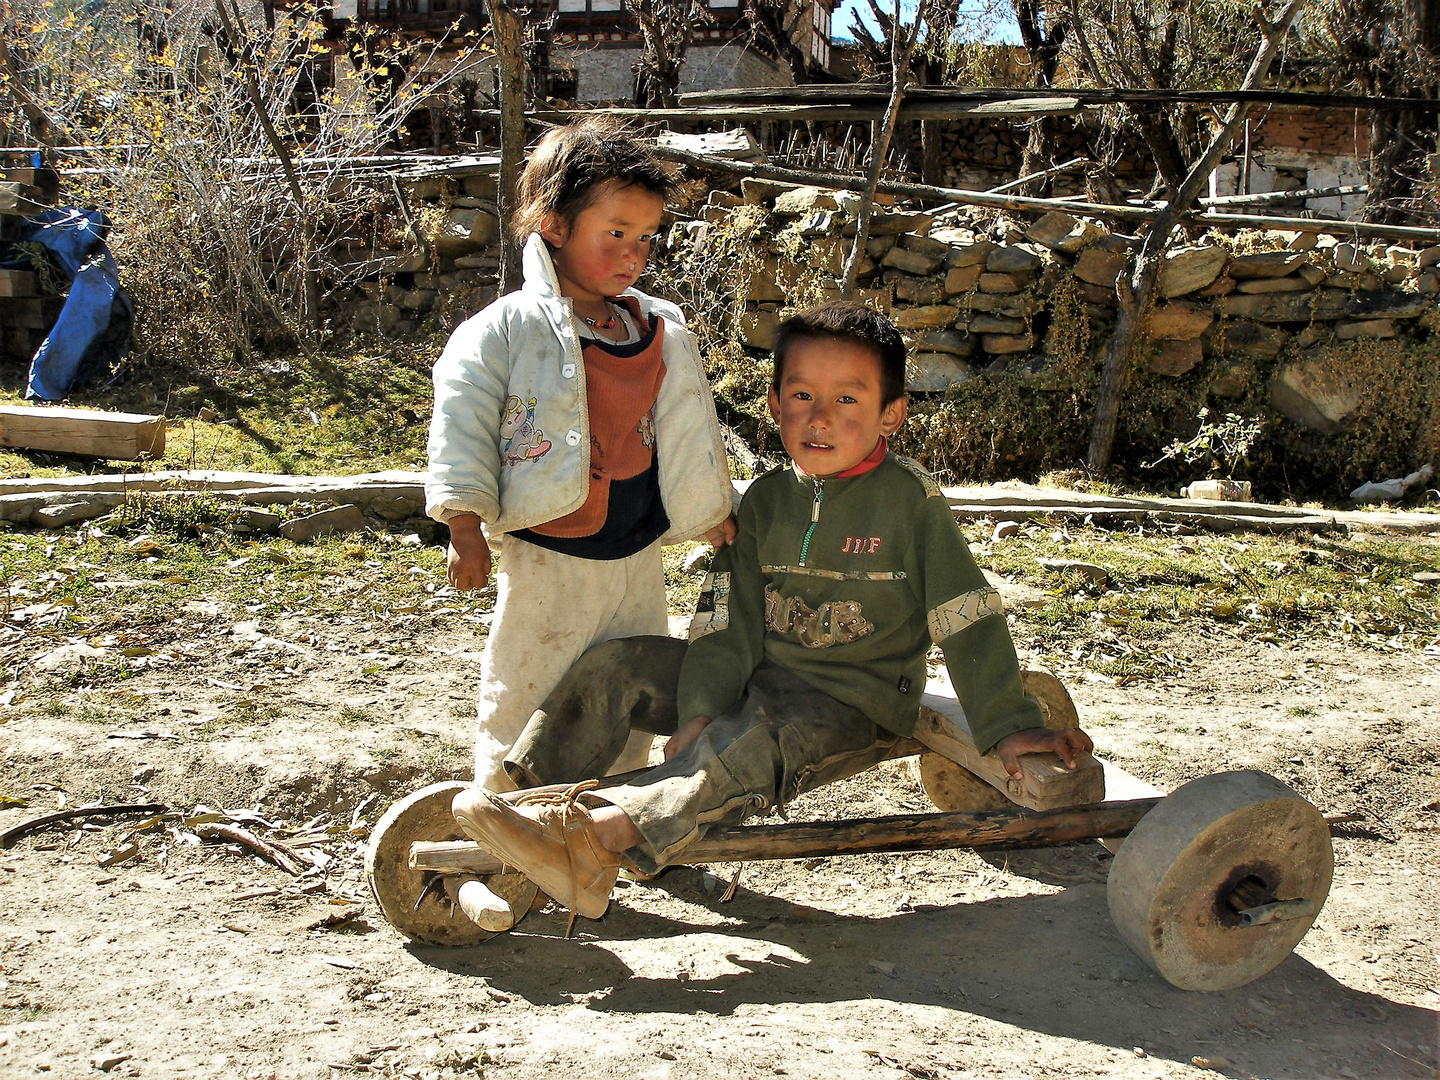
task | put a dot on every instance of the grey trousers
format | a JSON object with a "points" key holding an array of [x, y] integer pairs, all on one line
{"points": [[784, 737]]}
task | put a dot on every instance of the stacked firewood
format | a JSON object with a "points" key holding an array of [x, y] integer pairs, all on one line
{"points": [[28, 309]]}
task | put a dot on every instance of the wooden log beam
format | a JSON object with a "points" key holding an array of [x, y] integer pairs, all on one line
{"points": [[1023, 109], [859, 836], [1088, 96], [930, 193], [113, 435]]}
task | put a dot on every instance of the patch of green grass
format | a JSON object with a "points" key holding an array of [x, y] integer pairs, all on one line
{"points": [[682, 589], [362, 410], [1300, 710], [353, 716], [1276, 589]]}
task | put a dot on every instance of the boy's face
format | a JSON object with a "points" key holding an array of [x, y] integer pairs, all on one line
{"points": [[829, 405], [604, 252]]}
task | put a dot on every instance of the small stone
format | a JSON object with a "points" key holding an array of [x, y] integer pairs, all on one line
{"points": [[931, 371], [70, 657], [1013, 259], [797, 202], [727, 199], [396, 507], [996, 324], [1100, 267], [1349, 257], [1247, 338], [346, 518], [1175, 358], [924, 245], [1099, 294], [926, 318], [1264, 264], [208, 414], [1311, 393], [1311, 274], [1095, 575], [259, 520], [1430, 256], [1231, 380], [894, 224], [877, 246], [1188, 269], [61, 514], [1321, 304], [1427, 284], [758, 328], [1223, 285], [1004, 530], [954, 342], [1295, 283], [1003, 344], [917, 290], [106, 1062], [1313, 334], [1365, 328], [1178, 320], [1059, 231], [1012, 305], [1387, 305], [975, 254], [1004, 283], [961, 279], [465, 231], [758, 192], [912, 262]]}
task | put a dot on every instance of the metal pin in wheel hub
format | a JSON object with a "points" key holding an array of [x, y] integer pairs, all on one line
{"points": [[1216, 885]]}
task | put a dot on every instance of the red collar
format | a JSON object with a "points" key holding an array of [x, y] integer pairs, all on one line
{"points": [[876, 456]]}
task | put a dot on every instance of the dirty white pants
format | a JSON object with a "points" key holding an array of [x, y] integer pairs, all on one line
{"points": [[549, 609]]}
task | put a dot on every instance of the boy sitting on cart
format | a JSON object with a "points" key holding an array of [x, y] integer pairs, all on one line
{"points": [[806, 660]]}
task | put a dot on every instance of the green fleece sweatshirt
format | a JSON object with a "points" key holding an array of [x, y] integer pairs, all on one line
{"points": [[846, 582]]}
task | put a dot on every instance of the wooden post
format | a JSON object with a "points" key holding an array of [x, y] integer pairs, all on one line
{"points": [[505, 26], [1137, 292]]}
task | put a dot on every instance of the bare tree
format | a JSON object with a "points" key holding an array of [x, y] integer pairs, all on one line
{"points": [[1137, 292], [1042, 31], [1154, 45], [774, 24], [1384, 48], [903, 39], [667, 26]]}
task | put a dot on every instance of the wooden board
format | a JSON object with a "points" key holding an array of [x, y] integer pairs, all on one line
{"points": [[1045, 783], [118, 436], [31, 312], [21, 199], [17, 283], [45, 181]]}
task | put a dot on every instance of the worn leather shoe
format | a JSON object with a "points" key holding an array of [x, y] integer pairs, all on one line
{"points": [[548, 836]]}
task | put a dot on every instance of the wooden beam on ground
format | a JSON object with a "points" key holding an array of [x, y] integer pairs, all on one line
{"points": [[988, 830], [113, 435]]}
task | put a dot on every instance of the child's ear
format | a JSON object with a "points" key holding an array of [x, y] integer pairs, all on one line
{"points": [[553, 230], [772, 400], [892, 416]]}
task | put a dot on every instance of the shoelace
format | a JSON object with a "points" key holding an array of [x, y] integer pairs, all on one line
{"points": [[567, 806]]}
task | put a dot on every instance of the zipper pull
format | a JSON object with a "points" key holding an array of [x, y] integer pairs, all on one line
{"points": [[819, 497]]}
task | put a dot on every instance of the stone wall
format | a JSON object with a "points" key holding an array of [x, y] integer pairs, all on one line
{"points": [[975, 293]]}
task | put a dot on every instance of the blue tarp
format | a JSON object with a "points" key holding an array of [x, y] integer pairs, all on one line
{"points": [[93, 330]]}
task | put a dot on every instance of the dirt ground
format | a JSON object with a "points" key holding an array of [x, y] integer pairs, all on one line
{"points": [[197, 960]]}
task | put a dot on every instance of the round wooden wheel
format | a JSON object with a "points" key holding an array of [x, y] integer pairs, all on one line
{"points": [[1220, 882], [953, 787], [414, 901]]}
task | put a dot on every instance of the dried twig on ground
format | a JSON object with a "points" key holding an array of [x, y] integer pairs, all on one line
{"points": [[278, 854], [25, 828]]}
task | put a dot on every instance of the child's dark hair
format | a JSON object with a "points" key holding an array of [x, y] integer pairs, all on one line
{"points": [[569, 165], [852, 322]]}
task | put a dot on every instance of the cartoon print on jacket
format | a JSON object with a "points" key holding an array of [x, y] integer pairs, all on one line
{"points": [[646, 428], [523, 441]]}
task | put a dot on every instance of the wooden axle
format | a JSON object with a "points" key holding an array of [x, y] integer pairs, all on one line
{"points": [[900, 832]]}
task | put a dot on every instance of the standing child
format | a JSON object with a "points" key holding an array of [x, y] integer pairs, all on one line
{"points": [[573, 418]]}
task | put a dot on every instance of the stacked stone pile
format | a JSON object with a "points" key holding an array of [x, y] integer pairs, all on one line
{"points": [[976, 294], [400, 284]]}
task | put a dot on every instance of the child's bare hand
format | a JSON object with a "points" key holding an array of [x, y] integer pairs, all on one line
{"points": [[1038, 740], [467, 563], [687, 733], [723, 534]]}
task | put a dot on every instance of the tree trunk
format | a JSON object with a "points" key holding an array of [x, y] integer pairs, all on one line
{"points": [[1138, 292], [505, 26]]}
